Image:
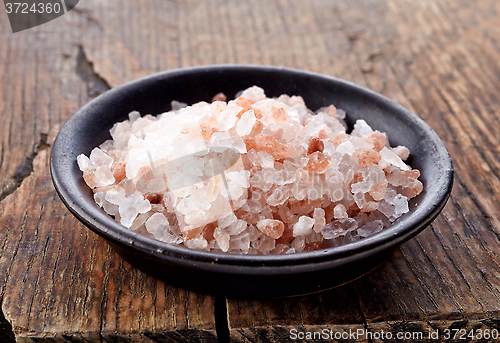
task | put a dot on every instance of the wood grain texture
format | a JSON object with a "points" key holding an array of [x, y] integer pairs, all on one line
{"points": [[441, 59]]}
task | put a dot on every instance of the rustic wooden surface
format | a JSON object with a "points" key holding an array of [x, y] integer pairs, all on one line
{"points": [[440, 58]]}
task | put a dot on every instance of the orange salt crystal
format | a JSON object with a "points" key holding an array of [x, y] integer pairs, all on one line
{"points": [[369, 206], [378, 139], [315, 144], [271, 227], [88, 176], [279, 115], [341, 138], [366, 157], [119, 170], [270, 145], [247, 106], [414, 174], [192, 234], [318, 162], [207, 126], [331, 111], [377, 191]]}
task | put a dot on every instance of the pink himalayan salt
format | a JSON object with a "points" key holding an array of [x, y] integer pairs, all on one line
{"points": [[301, 181]]}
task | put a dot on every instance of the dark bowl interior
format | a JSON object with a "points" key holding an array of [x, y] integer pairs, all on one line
{"points": [[247, 275]]}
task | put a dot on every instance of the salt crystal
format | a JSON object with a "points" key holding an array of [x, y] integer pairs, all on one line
{"points": [[338, 228], [319, 219], [83, 162], [103, 176], [272, 228], [246, 123], [226, 220], [361, 128], [339, 212], [346, 148], [222, 239], [391, 158], [371, 228], [303, 226], [100, 158]]}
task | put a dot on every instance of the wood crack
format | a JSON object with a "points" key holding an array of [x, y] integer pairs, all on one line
{"points": [[24, 169], [96, 83]]}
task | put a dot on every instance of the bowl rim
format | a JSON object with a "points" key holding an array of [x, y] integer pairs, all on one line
{"points": [[392, 236]]}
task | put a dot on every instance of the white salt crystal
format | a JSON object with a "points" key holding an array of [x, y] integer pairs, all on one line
{"points": [[240, 243], [345, 148], [303, 226], [100, 158], [228, 118], [103, 176], [361, 129], [236, 227], [246, 123], [226, 220], [99, 198], [83, 162], [338, 228], [371, 228], [199, 243], [133, 116], [253, 94], [266, 160], [402, 152], [391, 158], [115, 197]]}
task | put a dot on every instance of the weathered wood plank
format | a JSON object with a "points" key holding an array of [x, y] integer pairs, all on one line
{"points": [[59, 280]]}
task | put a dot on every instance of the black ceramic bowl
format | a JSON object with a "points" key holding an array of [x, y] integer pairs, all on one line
{"points": [[247, 275]]}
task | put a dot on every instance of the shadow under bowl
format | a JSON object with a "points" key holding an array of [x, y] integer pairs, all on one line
{"points": [[250, 275]]}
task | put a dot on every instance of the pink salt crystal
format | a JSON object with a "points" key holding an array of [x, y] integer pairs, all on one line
{"points": [[299, 243], [377, 139], [303, 226], [402, 152], [236, 227], [280, 249], [222, 239], [272, 228], [369, 206], [226, 220], [377, 191], [339, 212], [319, 219], [253, 94], [265, 244], [240, 243], [199, 243]]}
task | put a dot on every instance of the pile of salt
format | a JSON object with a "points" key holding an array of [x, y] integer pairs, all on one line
{"points": [[253, 175]]}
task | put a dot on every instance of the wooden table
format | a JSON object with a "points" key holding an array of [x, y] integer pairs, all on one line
{"points": [[59, 282]]}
